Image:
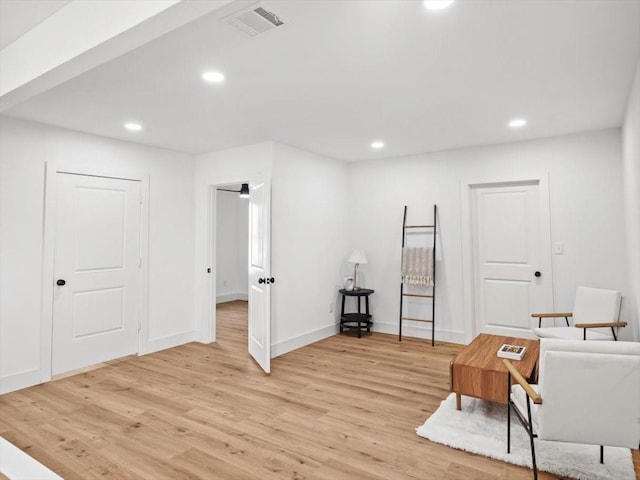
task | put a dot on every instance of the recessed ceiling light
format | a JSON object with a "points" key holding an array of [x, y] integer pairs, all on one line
{"points": [[133, 126], [517, 123], [213, 77], [378, 144], [436, 4]]}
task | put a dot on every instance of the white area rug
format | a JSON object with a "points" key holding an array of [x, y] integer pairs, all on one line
{"points": [[481, 428], [17, 465]]}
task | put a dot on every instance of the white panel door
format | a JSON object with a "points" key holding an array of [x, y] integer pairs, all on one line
{"points": [[96, 265], [512, 261], [260, 273]]}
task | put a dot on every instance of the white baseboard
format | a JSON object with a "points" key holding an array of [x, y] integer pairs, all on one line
{"points": [[20, 380], [230, 297], [169, 341], [294, 343], [449, 336]]}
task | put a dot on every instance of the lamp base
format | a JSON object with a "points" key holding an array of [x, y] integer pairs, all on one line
{"points": [[355, 278]]}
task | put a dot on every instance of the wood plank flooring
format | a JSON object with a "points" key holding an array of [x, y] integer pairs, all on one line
{"points": [[343, 408]]}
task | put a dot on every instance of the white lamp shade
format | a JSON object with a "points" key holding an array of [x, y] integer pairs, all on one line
{"points": [[358, 256]]}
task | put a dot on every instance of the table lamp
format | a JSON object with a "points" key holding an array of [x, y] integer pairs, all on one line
{"points": [[357, 257]]}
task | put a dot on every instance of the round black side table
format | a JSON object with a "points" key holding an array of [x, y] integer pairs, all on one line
{"points": [[357, 320]]}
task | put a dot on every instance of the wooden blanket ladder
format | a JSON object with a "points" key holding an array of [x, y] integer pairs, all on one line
{"points": [[430, 294]]}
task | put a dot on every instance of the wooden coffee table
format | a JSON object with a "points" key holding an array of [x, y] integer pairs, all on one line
{"points": [[477, 371]]}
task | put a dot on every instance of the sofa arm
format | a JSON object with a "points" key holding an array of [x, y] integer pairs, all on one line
{"points": [[540, 316], [600, 325], [533, 395], [611, 325]]}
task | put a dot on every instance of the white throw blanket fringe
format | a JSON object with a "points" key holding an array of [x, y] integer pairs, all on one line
{"points": [[417, 266]]}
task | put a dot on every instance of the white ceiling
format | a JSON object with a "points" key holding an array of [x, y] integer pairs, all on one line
{"points": [[19, 16], [342, 73]]}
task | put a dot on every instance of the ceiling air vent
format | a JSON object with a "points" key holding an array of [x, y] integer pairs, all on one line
{"points": [[254, 20]]}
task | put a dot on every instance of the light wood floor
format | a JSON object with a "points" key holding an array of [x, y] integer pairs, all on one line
{"points": [[343, 408]]}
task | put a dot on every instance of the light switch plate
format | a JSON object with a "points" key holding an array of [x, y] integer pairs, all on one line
{"points": [[558, 248]]}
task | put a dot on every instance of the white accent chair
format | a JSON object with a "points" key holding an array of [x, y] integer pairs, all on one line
{"points": [[587, 392], [595, 314]]}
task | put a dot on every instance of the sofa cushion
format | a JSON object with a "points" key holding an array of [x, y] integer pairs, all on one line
{"points": [[572, 333]]}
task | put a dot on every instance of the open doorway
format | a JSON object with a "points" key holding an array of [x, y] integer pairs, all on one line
{"points": [[232, 265], [257, 244]]}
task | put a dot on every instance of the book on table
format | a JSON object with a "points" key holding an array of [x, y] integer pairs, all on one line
{"points": [[512, 352]]}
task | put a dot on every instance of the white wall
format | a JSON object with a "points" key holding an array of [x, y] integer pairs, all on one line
{"points": [[232, 246], [310, 245], [24, 149], [242, 252], [586, 202], [321, 210], [631, 178]]}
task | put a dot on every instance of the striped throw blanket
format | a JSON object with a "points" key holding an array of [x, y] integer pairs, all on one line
{"points": [[417, 266]]}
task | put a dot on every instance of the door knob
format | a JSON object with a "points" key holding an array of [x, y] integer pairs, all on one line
{"points": [[60, 282], [538, 274], [261, 280]]}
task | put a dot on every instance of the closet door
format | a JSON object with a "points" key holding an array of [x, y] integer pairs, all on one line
{"points": [[97, 259], [512, 258]]}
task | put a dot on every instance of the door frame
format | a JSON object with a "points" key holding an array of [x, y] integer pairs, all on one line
{"points": [[467, 239], [52, 169]]}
